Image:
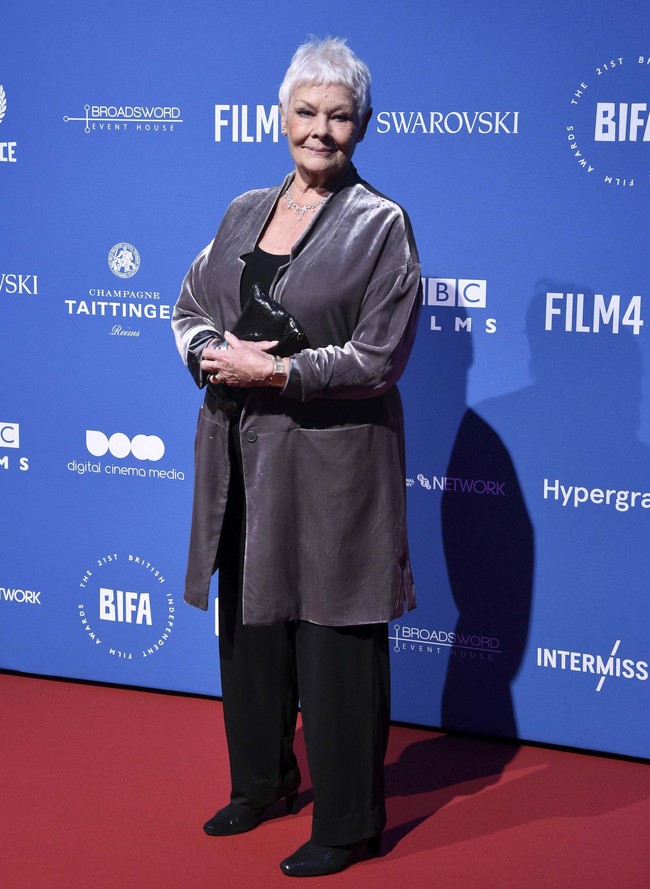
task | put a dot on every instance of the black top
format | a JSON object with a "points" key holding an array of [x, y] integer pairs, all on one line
{"points": [[261, 268]]}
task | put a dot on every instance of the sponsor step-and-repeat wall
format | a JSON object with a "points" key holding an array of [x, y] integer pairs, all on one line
{"points": [[518, 139]]}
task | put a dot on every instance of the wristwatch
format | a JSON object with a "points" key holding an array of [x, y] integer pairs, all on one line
{"points": [[278, 374]]}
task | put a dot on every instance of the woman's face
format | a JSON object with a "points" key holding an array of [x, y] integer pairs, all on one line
{"points": [[323, 129]]}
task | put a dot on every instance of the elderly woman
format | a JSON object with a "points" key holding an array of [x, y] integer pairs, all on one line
{"points": [[299, 492]]}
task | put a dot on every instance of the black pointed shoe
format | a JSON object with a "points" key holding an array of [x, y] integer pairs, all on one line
{"points": [[234, 819], [231, 820], [312, 860]]}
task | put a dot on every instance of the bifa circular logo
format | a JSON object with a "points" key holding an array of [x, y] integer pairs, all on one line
{"points": [[123, 260], [608, 127], [123, 606]]}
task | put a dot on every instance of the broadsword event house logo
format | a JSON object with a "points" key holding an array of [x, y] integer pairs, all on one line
{"points": [[98, 118], [436, 640]]}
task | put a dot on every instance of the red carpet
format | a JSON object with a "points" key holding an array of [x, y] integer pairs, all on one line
{"points": [[107, 787]]}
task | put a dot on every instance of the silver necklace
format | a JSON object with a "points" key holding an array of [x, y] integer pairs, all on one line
{"points": [[302, 209]]}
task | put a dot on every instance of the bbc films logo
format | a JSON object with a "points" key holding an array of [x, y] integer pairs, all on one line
{"points": [[599, 667], [246, 123], [128, 118], [7, 149], [452, 300], [608, 128], [9, 435], [124, 608], [125, 310], [430, 641], [10, 440], [135, 456]]}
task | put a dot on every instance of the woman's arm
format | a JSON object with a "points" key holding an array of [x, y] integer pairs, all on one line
{"points": [[375, 356], [192, 325]]}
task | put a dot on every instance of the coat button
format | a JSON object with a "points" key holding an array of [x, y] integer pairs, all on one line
{"points": [[251, 435]]}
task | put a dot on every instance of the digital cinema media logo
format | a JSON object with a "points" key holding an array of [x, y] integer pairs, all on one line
{"points": [[124, 608], [138, 457], [143, 447], [98, 118], [608, 127]]}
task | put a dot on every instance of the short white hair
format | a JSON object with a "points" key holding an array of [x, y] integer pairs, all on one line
{"points": [[328, 61]]}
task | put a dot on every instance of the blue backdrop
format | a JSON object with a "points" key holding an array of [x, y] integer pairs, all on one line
{"points": [[517, 137]]}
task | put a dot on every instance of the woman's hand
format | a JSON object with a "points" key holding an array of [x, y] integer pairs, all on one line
{"points": [[242, 363]]}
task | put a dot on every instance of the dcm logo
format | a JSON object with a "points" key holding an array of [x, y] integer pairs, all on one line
{"points": [[143, 447]]}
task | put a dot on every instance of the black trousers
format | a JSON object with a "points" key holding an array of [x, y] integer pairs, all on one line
{"points": [[341, 677]]}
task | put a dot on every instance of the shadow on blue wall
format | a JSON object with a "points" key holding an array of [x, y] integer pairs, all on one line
{"points": [[489, 551], [573, 435], [472, 545]]}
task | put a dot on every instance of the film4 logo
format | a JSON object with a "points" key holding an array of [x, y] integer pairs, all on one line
{"points": [[595, 314]]}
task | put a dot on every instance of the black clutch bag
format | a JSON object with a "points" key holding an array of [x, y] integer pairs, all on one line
{"points": [[264, 319], [261, 319]]}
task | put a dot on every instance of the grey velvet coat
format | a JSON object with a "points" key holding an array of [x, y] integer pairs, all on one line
{"points": [[323, 459]]}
